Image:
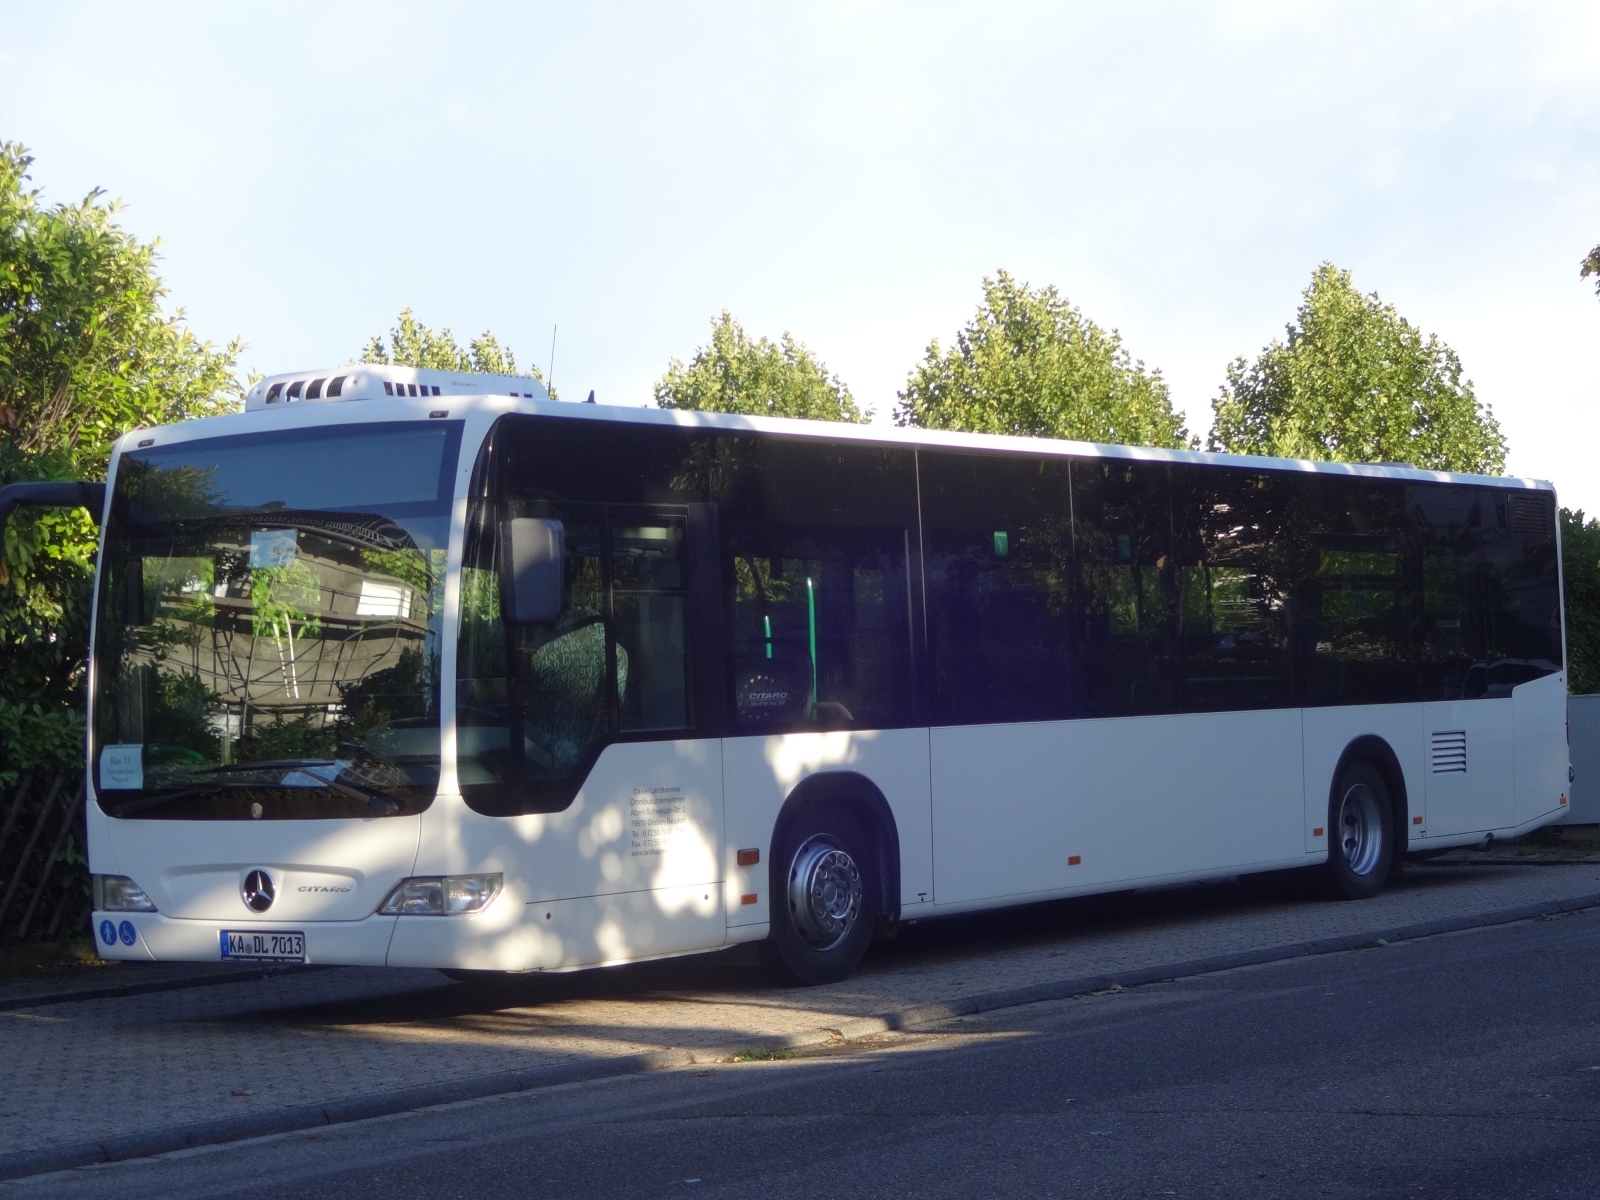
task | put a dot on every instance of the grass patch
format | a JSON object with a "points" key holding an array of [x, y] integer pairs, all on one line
{"points": [[756, 1054]]}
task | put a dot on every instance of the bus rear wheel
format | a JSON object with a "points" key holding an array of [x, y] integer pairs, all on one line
{"points": [[823, 899], [1360, 833]]}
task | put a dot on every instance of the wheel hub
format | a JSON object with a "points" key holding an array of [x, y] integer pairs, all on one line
{"points": [[1360, 829], [824, 892]]}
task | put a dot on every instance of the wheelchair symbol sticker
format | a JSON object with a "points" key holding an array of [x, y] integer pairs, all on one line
{"points": [[128, 932]]}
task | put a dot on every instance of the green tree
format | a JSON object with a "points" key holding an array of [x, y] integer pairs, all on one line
{"points": [[1356, 382], [760, 378], [1030, 363], [1580, 569], [86, 353], [413, 344]]}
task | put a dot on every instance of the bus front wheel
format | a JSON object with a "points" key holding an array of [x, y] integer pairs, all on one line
{"points": [[1360, 833], [823, 898]]}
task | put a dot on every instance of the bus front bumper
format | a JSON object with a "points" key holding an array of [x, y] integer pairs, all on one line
{"points": [[153, 937]]}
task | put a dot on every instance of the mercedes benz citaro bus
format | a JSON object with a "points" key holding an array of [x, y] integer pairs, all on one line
{"points": [[407, 667]]}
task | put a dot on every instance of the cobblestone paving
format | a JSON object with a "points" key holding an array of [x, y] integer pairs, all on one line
{"points": [[85, 1070]]}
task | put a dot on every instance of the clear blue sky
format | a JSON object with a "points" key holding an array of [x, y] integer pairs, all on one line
{"points": [[848, 172]]}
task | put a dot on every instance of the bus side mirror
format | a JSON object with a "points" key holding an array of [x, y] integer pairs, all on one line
{"points": [[532, 551]]}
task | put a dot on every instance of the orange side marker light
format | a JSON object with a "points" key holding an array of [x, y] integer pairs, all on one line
{"points": [[1416, 820], [748, 898], [1317, 832], [1074, 859], [749, 858], [1563, 799]]}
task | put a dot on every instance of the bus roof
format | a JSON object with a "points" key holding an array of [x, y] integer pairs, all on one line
{"points": [[524, 394], [376, 381]]}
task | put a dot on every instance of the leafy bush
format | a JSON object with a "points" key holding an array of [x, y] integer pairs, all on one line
{"points": [[86, 354]]}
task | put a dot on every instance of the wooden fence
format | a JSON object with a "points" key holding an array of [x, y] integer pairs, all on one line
{"points": [[44, 881]]}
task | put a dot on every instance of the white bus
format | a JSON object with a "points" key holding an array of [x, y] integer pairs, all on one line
{"points": [[410, 668]]}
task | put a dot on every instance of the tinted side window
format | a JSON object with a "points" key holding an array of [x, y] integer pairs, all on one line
{"points": [[649, 606], [817, 538], [545, 690], [536, 704], [1521, 592], [1354, 596], [1450, 535], [605, 462], [997, 537], [1126, 594], [1234, 564]]}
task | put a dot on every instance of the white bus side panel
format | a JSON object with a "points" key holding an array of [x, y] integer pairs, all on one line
{"points": [[1480, 797], [762, 771], [1132, 799], [1539, 714], [1328, 731], [629, 870]]}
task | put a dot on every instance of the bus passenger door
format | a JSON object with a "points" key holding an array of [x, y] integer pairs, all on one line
{"points": [[650, 815], [617, 795]]}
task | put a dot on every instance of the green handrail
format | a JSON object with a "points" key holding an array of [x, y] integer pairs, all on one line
{"points": [[811, 616]]}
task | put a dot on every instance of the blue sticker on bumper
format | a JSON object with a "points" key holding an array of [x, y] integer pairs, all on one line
{"points": [[108, 933], [128, 933]]}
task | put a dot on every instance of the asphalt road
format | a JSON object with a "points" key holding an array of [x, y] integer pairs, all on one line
{"points": [[1461, 1066]]}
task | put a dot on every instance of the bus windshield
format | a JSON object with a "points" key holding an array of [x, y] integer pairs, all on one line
{"points": [[269, 620]]}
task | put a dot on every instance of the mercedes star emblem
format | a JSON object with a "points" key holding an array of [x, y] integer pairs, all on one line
{"points": [[257, 891]]}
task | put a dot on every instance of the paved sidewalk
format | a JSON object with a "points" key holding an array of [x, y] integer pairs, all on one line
{"points": [[93, 1070], [110, 979]]}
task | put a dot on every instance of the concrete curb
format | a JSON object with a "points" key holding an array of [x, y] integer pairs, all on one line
{"points": [[231, 975], [146, 1143], [1512, 862]]}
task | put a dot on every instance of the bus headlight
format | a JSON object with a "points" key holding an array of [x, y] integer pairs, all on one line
{"points": [[442, 895], [118, 893]]}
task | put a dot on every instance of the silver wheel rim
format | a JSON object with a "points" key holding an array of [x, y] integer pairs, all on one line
{"points": [[824, 892], [1360, 829]]}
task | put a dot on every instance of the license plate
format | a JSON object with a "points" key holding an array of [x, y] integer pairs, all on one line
{"points": [[264, 945]]}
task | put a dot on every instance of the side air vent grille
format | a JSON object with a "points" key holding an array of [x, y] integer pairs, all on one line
{"points": [[1532, 515], [1450, 752]]}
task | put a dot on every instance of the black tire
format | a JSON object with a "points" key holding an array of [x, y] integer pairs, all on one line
{"points": [[1360, 833], [824, 890]]}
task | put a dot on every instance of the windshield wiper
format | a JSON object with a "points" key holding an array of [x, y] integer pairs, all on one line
{"points": [[325, 771], [308, 765], [128, 808], [380, 804]]}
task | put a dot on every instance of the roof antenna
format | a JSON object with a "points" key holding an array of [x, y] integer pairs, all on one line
{"points": [[550, 378], [590, 400]]}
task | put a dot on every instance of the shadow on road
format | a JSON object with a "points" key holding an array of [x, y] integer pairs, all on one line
{"points": [[736, 976]]}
